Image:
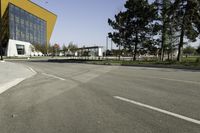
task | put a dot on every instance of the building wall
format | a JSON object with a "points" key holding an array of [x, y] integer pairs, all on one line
{"points": [[100, 52], [34, 9], [12, 49]]}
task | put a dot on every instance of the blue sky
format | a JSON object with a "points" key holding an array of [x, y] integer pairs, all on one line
{"points": [[83, 22]]}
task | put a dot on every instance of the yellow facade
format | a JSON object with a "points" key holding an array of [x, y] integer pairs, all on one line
{"points": [[34, 9]]}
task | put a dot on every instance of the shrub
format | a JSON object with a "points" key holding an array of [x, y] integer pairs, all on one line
{"points": [[198, 60]]}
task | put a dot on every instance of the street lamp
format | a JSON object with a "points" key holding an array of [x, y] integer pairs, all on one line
{"points": [[106, 45], [111, 46]]}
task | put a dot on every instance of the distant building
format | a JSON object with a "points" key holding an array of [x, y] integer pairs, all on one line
{"points": [[90, 51], [23, 25]]}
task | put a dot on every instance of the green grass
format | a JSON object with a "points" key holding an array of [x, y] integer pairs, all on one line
{"points": [[190, 59], [186, 62]]}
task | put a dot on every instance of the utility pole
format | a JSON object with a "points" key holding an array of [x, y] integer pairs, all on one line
{"points": [[106, 45], [111, 45]]}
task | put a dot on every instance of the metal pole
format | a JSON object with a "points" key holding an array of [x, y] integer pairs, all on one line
{"points": [[111, 46], [106, 45]]}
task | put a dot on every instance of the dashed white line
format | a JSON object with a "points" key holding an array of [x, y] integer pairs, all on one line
{"points": [[53, 76], [176, 80], [31, 69], [159, 110]]}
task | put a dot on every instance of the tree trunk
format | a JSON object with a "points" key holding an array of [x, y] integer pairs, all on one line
{"points": [[171, 55], [119, 53], [180, 46], [168, 55], [135, 52], [164, 34], [136, 44], [164, 30], [132, 52], [1, 50]]}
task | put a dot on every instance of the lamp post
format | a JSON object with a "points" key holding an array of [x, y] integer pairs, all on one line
{"points": [[111, 46], [106, 45]]}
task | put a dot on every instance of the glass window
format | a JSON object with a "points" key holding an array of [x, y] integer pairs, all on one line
{"points": [[20, 49], [26, 27]]}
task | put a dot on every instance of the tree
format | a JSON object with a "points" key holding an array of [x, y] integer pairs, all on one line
{"points": [[1, 52], [49, 49], [189, 50], [151, 46], [56, 48], [132, 26], [163, 17], [108, 52], [41, 48], [72, 48], [65, 49], [186, 14], [118, 36], [198, 50]]}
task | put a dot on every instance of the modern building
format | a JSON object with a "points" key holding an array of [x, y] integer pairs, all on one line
{"points": [[23, 25]]}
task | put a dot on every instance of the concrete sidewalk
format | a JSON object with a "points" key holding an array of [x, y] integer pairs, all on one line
{"points": [[12, 73]]}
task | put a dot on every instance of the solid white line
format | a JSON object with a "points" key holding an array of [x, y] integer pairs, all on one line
{"points": [[159, 110], [53, 76]]}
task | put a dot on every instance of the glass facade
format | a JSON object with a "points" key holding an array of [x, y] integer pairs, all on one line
{"points": [[4, 37], [24, 26]]}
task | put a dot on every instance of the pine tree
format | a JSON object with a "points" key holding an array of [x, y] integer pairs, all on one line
{"points": [[163, 7], [119, 26], [133, 25], [187, 18]]}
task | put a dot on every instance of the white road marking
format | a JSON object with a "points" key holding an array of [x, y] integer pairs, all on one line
{"points": [[32, 69], [53, 76], [159, 110], [10, 84], [176, 80]]}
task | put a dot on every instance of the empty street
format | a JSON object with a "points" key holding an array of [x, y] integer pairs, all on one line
{"points": [[81, 98]]}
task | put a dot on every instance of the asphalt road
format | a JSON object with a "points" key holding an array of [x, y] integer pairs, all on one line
{"points": [[80, 98]]}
